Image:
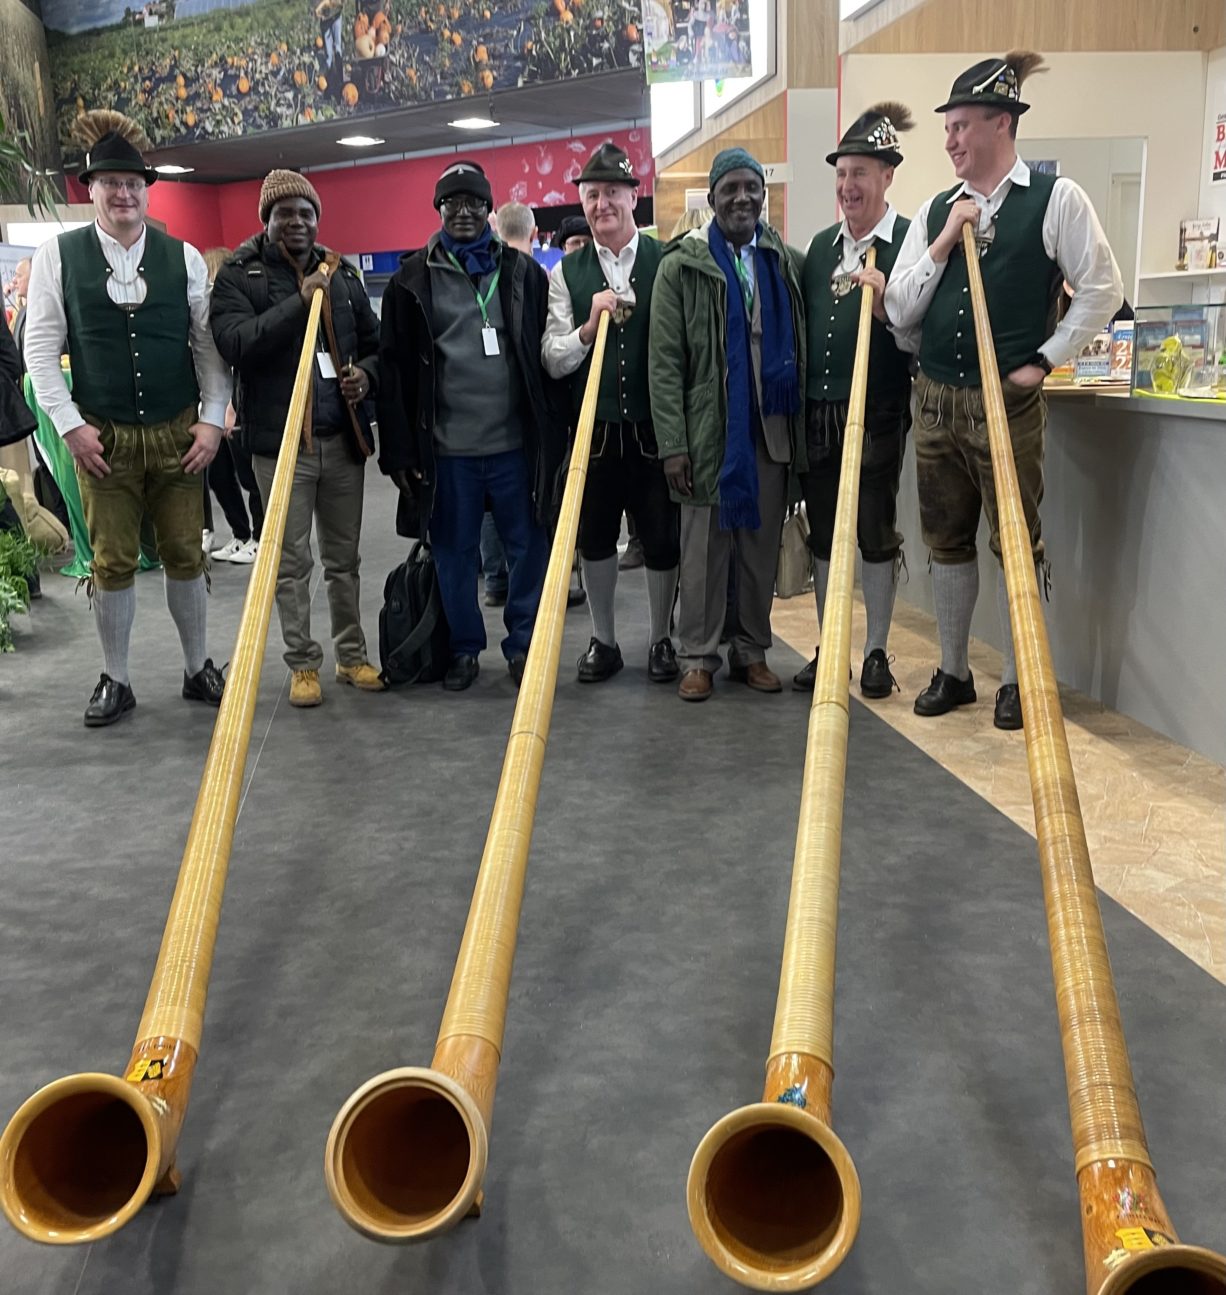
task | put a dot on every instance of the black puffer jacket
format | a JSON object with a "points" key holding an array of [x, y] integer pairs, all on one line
{"points": [[406, 396], [259, 320]]}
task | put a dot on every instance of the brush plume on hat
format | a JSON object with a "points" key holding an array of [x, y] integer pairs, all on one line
{"points": [[92, 126], [1024, 62]]}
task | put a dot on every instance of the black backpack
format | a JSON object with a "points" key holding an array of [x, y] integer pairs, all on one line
{"points": [[414, 641]]}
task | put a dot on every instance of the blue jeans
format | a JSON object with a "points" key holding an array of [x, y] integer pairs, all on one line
{"points": [[493, 559], [463, 486]]}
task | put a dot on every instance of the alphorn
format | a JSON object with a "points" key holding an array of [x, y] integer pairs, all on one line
{"points": [[1130, 1245], [406, 1154], [773, 1195], [82, 1155]]}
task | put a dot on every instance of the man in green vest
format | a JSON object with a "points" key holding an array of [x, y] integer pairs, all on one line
{"points": [[864, 165], [144, 417], [614, 275], [727, 371], [1031, 229]]}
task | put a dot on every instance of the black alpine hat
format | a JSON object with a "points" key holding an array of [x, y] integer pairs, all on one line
{"points": [[463, 177], [875, 134], [112, 142], [571, 227], [609, 165], [995, 83]]}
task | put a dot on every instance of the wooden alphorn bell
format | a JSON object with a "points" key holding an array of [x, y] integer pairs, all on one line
{"points": [[407, 1151], [1130, 1244], [773, 1196], [82, 1155]]}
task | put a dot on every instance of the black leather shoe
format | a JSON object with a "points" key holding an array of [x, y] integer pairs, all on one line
{"points": [[632, 559], [805, 678], [495, 599], [207, 686], [944, 693], [599, 662], [575, 598], [875, 678], [111, 700], [662, 662], [515, 668], [461, 673], [1008, 707]]}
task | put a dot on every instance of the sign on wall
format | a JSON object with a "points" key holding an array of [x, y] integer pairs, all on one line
{"points": [[1217, 149], [696, 40], [192, 70]]}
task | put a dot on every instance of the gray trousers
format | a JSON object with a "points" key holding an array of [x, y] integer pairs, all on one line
{"points": [[705, 554], [328, 486]]}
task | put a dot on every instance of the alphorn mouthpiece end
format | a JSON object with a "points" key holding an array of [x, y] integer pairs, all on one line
{"points": [[773, 1197], [79, 1159], [406, 1156]]}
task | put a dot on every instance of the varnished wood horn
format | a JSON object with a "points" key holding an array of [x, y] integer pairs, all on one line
{"points": [[83, 1154], [773, 1196], [407, 1151], [1130, 1244]]}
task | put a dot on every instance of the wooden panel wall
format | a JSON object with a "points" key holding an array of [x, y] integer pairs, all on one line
{"points": [[946, 26], [763, 132], [812, 44]]}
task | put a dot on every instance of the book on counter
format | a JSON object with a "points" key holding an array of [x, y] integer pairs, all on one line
{"points": [[1121, 350], [1198, 241]]}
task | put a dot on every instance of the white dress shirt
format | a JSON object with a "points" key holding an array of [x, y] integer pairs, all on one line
{"points": [[855, 249], [47, 326], [1072, 237], [561, 350]]}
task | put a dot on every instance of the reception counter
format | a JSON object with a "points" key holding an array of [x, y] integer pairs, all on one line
{"points": [[1134, 519]]}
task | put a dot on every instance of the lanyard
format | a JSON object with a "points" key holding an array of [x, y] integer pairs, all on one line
{"points": [[746, 286], [482, 302]]}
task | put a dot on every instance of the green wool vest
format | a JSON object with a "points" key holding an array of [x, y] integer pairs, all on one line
{"points": [[131, 364], [623, 394], [832, 322], [1020, 282]]}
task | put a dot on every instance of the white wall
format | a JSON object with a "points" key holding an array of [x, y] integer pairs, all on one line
{"points": [[1158, 97], [812, 124]]}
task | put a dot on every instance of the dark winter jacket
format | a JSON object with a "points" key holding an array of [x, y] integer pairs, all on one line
{"points": [[407, 364], [259, 319], [16, 420]]}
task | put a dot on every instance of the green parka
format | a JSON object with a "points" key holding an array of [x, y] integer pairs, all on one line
{"points": [[687, 361]]}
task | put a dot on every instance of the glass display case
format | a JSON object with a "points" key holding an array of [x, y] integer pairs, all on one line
{"points": [[1179, 352]]}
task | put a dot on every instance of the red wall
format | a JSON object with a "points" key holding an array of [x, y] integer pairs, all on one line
{"points": [[387, 206]]}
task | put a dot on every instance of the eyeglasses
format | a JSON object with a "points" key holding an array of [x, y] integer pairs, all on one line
{"points": [[112, 185], [464, 202]]}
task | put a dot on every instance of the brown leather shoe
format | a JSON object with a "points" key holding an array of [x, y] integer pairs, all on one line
{"points": [[758, 675], [695, 685]]}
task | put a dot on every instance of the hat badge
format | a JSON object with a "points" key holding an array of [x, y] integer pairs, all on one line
{"points": [[883, 135]]}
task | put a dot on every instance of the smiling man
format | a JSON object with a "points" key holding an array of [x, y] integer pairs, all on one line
{"points": [[1032, 229], [261, 299], [864, 165], [144, 417], [727, 363], [614, 274]]}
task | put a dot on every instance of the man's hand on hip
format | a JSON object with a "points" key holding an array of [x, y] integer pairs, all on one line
{"points": [[205, 440], [677, 474], [85, 445], [1029, 375]]}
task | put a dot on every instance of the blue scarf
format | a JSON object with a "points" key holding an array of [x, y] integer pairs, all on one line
{"points": [[738, 478], [476, 257]]}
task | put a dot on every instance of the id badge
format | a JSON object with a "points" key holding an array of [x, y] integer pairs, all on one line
{"points": [[326, 368], [489, 339]]}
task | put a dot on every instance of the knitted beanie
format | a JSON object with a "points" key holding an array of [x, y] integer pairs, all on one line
{"points": [[733, 159], [286, 184], [463, 177]]}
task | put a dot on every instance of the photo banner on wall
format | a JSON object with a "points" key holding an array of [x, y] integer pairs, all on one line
{"points": [[696, 40], [196, 70]]}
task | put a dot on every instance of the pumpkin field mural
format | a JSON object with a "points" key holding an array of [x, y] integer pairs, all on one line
{"points": [[192, 70]]}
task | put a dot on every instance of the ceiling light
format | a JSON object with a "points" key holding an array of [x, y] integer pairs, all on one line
{"points": [[473, 123], [173, 168], [360, 141]]}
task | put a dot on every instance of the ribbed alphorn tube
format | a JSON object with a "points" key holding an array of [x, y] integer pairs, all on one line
{"points": [[1130, 1244], [83, 1154], [407, 1151], [773, 1196]]}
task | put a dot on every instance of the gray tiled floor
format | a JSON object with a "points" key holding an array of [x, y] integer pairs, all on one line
{"points": [[643, 989]]}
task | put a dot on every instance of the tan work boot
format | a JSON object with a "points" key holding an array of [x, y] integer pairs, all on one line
{"points": [[363, 676], [304, 689]]}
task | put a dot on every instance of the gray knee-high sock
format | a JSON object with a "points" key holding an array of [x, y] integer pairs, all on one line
{"points": [[187, 601], [954, 590], [879, 587], [114, 612], [821, 582], [1008, 663], [600, 579], [661, 591]]}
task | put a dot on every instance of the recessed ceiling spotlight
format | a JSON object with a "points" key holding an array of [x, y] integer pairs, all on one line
{"points": [[473, 123], [173, 168], [360, 141]]}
